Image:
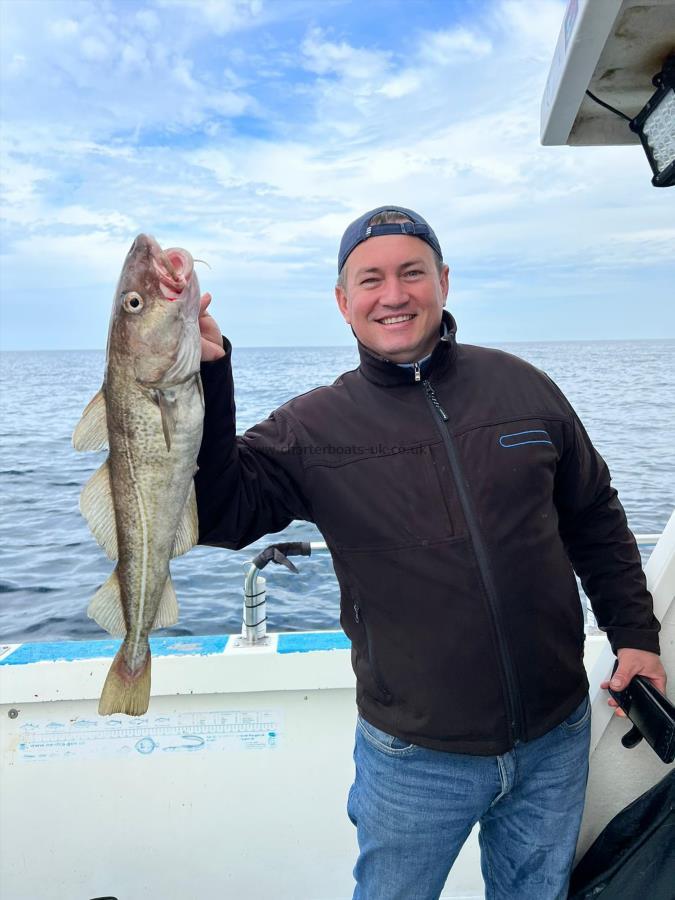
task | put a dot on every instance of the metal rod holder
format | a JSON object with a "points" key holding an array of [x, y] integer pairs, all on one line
{"points": [[254, 624]]}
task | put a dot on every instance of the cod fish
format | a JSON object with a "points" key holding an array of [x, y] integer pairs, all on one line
{"points": [[140, 505]]}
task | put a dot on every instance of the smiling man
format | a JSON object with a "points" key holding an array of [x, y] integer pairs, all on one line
{"points": [[454, 533]]}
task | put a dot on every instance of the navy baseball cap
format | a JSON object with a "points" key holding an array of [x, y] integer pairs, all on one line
{"points": [[361, 229]]}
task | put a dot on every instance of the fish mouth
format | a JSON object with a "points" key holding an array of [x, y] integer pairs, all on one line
{"points": [[174, 267]]}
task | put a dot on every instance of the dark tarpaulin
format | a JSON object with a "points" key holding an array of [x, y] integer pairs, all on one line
{"points": [[634, 857]]}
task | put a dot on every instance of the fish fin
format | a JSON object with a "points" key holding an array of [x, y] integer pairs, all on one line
{"points": [[167, 407], [91, 432], [167, 612], [106, 609], [124, 691], [96, 505], [187, 534]]}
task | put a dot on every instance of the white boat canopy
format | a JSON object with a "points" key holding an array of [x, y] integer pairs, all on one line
{"points": [[612, 48]]}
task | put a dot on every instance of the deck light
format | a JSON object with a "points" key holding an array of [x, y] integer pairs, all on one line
{"points": [[655, 126]]}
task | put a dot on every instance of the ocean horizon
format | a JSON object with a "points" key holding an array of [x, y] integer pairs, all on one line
{"points": [[480, 343]]}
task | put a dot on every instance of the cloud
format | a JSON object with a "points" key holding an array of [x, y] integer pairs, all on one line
{"points": [[220, 16], [531, 27], [19, 181], [401, 85], [351, 63], [63, 28], [446, 48], [108, 72], [258, 131]]}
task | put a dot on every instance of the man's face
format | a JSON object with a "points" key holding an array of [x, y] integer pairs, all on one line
{"points": [[394, 296]]}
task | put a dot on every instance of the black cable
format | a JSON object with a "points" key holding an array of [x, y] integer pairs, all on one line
{"points": [[255, 605], [607, 106]]}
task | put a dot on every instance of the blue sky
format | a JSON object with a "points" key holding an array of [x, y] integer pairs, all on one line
{"points": [[251, 132]]}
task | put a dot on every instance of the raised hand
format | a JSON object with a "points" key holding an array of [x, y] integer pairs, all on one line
{"points": [[212, 338]]}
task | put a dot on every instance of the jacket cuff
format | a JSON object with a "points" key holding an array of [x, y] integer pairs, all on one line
{"points": [[213, 368], [634, 639]]}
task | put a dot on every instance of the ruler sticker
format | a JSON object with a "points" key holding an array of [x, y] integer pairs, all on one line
{"points": [[149, 736]]}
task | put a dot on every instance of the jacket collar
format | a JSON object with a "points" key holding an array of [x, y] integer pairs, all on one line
{"points": [[388, 374]]}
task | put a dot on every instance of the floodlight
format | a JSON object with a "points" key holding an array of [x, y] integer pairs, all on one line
{"points": [[655, 126]]}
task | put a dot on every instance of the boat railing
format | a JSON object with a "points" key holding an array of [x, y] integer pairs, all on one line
{"points": [[254, 624]]}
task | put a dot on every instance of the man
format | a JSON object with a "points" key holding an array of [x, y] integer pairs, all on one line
{"points": [[469, 488]]}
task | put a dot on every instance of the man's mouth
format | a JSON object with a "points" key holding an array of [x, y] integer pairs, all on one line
{"points": [[394, 320]]}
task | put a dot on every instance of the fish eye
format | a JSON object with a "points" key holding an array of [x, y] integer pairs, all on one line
{"points": [[132, 302]]}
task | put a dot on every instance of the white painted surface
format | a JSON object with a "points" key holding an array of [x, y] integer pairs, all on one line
{"points": [[618, 776], [583, 34], [246, 669], [238, 823], [613, 49], [244, 823]]}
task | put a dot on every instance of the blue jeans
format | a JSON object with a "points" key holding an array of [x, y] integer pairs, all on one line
{"points": [[414, 808]]}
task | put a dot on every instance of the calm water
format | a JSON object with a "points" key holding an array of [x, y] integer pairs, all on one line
{"points": [[50, 564]]}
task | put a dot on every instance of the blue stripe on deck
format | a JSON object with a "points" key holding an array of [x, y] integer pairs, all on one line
{"points": [[316, 640], [69, 651]]}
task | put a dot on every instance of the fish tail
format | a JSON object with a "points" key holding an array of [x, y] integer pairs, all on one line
{"points": [[125, 691]]}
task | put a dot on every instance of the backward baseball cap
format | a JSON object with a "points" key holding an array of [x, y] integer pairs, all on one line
{"points": [[361, 229]]}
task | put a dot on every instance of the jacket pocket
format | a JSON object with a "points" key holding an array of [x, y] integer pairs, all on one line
{"points": [[384, 695], [401, 498]]}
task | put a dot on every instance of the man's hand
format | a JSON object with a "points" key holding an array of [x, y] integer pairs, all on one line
{"points": [[212, 339], [635, 662]]}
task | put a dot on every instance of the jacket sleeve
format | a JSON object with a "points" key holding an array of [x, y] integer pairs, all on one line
{"points": [[246, 486], [602, 549]]}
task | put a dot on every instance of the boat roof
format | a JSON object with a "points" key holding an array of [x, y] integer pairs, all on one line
{"points": [[612, 48]]}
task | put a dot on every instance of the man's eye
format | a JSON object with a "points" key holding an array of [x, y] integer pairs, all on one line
{"points": [[413, 273], [368, 281]]}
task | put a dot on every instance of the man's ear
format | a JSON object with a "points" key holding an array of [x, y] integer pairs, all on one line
{"points": [[343, 303], [445, 283]]}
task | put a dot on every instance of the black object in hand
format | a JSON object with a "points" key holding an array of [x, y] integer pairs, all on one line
{"points": [[652, 715]]}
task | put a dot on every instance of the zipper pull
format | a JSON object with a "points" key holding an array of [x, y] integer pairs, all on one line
{"points": [[434, 399], [356, 612], [416, 370]]}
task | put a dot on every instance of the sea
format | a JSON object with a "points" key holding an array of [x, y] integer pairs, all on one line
{"points": [[50, 565]]}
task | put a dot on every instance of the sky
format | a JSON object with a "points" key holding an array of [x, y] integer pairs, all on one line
{"points": [[251, 132]]}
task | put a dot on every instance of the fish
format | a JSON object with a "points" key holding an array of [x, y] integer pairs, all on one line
{"points": [[140, 504]]}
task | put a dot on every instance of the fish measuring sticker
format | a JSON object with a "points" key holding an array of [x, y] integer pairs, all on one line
{"points": [[191, 733]]}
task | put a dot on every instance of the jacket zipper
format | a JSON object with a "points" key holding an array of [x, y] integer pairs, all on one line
{"points": [[358, 616], [515, 713]]}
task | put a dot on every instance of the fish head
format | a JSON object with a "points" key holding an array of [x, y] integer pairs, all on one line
{"points": [[154, 325]]}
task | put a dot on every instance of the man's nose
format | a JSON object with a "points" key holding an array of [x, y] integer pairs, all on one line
{"points": [[393, 293]]}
